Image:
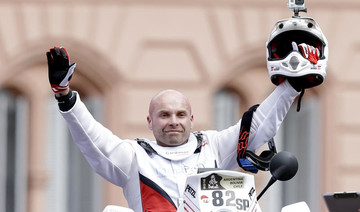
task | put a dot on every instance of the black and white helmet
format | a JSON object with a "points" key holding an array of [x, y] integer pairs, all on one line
{"points": [[285, 60]]}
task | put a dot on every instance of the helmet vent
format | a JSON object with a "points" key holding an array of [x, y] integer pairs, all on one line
{"points": [[294, 62]]}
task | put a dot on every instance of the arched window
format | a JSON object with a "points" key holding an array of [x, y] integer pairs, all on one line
{"points": [[73, 185], [13, 151], [227, 107]]}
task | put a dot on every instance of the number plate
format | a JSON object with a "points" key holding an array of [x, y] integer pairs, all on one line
{"points": [[220, 191]]}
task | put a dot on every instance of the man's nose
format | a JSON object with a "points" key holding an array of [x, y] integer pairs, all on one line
{"points": [[174, 120]]}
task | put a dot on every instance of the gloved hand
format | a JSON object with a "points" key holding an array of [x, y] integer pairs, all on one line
{"points": [[309, 52], [60, 70]]}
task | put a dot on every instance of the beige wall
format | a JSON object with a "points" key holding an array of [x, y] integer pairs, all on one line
{"points": [[129, 50]]}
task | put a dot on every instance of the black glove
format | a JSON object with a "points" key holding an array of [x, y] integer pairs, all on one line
{"points": [[60, 70], [296, 83]]}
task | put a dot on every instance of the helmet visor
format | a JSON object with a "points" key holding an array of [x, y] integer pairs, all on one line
{"points": [[280, 47]]}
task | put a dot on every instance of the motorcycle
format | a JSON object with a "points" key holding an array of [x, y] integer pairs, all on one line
{"points": [[215, 190]]}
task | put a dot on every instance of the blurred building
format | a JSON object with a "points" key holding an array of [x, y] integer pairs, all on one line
{"points": [[127, 51]]}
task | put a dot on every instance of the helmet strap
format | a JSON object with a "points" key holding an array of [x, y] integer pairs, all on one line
{"points": [[246, 159], [299, 100]]}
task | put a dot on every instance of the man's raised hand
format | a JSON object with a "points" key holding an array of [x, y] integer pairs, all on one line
{"points": [[60, 70]]}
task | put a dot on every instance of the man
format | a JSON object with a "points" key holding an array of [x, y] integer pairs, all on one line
{"points": [[153, 173]]}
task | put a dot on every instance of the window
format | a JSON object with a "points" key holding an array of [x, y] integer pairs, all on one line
{"points": [[73, 185], [13, 151], [227, 107]]}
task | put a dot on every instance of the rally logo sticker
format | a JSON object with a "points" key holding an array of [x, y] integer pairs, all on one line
{"points": [[221, 182]]}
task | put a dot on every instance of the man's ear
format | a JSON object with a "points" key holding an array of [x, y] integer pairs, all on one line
{"points": [[192, 121], [149, 122]]}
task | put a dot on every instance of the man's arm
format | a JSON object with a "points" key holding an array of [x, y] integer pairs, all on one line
{"points": [[270, 114], [111, 157], [108, 155], [265, 123]]}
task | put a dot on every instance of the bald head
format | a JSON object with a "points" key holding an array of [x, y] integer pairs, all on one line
{"points": [[170, 118], [174, 95]]}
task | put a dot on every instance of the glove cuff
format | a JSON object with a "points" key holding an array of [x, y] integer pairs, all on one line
{"points": [[57, 88], [67, 101]]}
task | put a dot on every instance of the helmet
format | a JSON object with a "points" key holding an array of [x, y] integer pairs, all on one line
{"points": [[285, 62]]}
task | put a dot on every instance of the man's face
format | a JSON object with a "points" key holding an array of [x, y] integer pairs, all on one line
{"points": [[170, 118]]}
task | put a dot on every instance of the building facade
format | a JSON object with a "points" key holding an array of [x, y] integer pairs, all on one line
{"points": [[127, 51]]}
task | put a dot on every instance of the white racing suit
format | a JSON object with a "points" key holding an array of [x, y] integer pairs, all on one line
{"points": [[155, 181]]}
